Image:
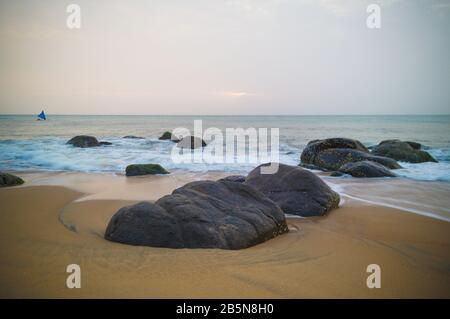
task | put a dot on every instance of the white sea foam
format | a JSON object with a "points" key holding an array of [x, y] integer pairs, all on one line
{"points": [[428, 198], [53, 154], [428, 171], [428, 213]]}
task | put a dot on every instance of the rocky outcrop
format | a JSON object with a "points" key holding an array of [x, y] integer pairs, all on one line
{"points": [[9, 180], [86, 141], [403, 151], [202, 214], [297, 191], [332, 159], [191, 142], [314, 147], [145, 169], [366, 169], [330, 154]]}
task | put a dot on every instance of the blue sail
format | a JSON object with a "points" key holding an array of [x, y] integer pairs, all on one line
{"points": [[41, 116]]}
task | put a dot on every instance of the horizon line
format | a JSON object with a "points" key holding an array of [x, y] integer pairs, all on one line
{"points": [[256, 115]]}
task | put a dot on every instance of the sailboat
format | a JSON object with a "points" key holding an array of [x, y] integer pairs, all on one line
{"points": [[41, 116]]}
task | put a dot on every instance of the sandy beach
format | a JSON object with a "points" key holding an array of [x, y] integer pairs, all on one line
{"points": [[46, 226]]}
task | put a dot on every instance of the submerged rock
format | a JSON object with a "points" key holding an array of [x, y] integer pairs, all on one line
{"points": [[145, 169], [332, 159], [202, 214], [168, 136], [403, 151], [297, 191], [9, 180], [84, 141], [133, 137], [105, 143], [191, 142], [366, 169]]}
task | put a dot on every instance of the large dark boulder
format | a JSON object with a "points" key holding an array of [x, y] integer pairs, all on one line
{"points": [[332, 159], [403, 151], [296, 190], [202, 214], [9, 180], [84, 141], [314, 147], [145, 169], [366, 169], [168, 136], [191, 142]]}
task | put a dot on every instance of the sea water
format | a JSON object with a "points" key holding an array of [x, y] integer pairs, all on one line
{"points": [[30, 145]]}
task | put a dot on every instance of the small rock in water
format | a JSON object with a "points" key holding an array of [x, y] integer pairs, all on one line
{"points": [[133, 137], [145, 169], [84, 141], [105, 143], [9, 180], [168, 136], [191, 142]]}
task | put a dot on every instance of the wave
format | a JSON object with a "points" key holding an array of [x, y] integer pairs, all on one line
{"points": [[53, 154]]}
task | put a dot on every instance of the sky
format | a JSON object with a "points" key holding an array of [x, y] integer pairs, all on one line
{"points": [[232, 57]]}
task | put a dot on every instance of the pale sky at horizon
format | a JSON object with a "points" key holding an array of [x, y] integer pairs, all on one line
{"points": [[228, 57]]}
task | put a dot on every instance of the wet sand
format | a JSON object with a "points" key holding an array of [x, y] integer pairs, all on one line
{"points": [[44, 228]]}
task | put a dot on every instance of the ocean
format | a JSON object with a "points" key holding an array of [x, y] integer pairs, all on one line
{"points": [[30, 145]]}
